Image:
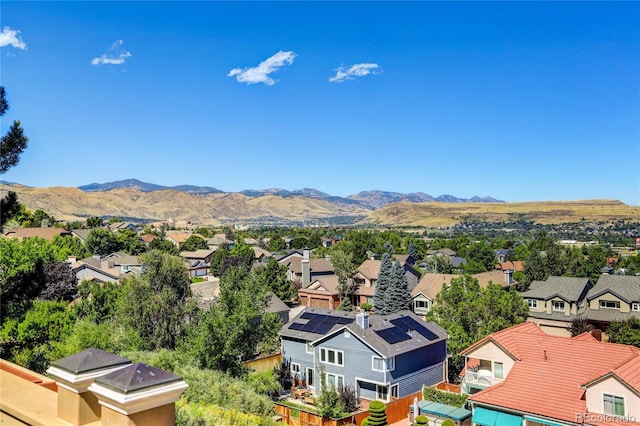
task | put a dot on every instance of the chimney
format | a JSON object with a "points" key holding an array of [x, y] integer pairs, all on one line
{"points": [[73, 375], [362, 319], [138, 395], [306, 268], [508, 276]]}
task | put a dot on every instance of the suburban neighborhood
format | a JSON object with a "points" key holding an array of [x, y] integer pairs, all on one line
{"points": [[341, 344]]}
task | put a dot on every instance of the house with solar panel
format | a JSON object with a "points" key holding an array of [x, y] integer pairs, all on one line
{"points": [[382, 357]]}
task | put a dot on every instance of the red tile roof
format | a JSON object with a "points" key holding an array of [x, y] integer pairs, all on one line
{"points": [[549, 371]]}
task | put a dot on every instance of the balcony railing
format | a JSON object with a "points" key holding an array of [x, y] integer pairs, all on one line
{"points": [[477, 378]]}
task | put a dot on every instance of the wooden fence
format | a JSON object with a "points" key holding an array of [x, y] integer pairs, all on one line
{"points": [[297, 416], [264, 364]]}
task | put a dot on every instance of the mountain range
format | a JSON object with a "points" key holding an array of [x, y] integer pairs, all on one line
{"points": [[138, 201], [367, 199]]}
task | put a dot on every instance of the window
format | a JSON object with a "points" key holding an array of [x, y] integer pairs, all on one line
{"points": [[394, 391], [295, 368], [382, 392], [331, 356], [609, 304], [310, 381], [335, 381], [309, 348], [421, 304], [379, 364], [533, 303], [498, 370], [613, 405], [558, 306], [635, 306]]}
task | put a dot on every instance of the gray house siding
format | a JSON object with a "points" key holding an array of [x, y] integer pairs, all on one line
{"points": [[357, 359], [295, 351]]}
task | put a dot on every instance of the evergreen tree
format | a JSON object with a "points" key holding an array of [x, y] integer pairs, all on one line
{"points": [[397, 297], [384, 277], [413, 251], [11, 146]]}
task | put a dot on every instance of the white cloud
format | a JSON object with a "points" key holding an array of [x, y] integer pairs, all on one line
{"points": [[260, 74], [357, 70], [117, 56], [9, 37]]}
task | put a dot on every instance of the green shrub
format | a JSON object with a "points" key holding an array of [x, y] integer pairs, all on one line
{"points": [[448, 422], [422, 421], [448, 398], [377, 414]]}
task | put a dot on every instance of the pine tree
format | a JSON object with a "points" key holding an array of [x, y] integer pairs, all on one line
{"points": [[413, 251], [397, 297], [384, 277], [11, 146]]}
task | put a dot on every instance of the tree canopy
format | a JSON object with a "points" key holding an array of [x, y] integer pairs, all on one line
{"points": [[469, 312]]}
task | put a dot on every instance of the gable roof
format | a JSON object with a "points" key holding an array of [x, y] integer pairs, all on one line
{"points": [[548, 376], [198, 254], [626, 287], [259, 252], [177, 236], [370, 269], [369, 336], [570, 289], [316, 266], [327, 284], [514, 265], [276, 305], [46, 233], [431, 284]]}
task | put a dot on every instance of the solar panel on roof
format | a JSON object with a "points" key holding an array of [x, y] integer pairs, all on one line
{"points": [[297, 326], [408, 323], [392, 335]]}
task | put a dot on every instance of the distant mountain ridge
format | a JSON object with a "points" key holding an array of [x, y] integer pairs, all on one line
{"points": [[369, 199]]}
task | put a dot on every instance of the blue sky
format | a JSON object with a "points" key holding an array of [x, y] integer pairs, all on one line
{"points": [[519, 101]]}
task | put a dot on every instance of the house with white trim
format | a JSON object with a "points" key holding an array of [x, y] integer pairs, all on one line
{"points": [[382, 357]]}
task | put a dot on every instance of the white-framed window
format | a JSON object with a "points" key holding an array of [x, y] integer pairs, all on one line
{"points": [[380, 364], [533, 303], [421, 304], [498, 370], [295, 368], [635, 306], [309, 348], [382, 392], [332, 356], [558, 305], [335, 381], [394, 391], [610, 304], [613, 404]]}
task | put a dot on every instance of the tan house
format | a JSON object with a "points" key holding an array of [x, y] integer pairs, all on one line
{"points": [[321, 293], [613, 298], [425, 292], [554, 303], [366, 277]]}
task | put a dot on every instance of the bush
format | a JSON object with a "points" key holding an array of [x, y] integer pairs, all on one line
{"points": [[348, 398], [422, 421], [448, 398], [448, 422], [366, 307], [377, 414]]}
